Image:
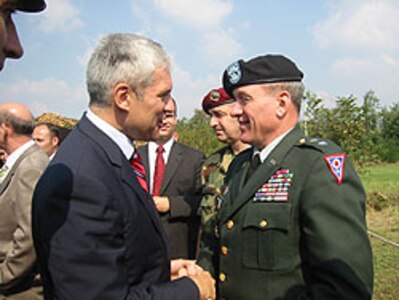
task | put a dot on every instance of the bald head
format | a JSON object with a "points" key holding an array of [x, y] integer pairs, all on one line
{"points": [[18, 117], [17, 110]]}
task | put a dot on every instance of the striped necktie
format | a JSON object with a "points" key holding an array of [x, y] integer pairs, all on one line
{"points": [[138, 168]]}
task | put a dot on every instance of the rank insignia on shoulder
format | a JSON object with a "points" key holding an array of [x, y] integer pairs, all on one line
{"points": [[336, 163], [276, 189]]}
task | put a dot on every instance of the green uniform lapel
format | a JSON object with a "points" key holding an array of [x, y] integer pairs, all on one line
{"points": [[237, 194]]}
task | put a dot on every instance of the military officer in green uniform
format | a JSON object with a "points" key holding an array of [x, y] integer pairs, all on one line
{"points": [[218, 105], [292, 220]]}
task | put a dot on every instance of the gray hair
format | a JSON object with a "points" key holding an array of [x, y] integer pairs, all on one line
{"points": [[295, 88], [125, 58], [19, 125]]}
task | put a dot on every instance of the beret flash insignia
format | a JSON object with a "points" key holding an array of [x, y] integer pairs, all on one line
{"points": [[234, 72], [214, 96]]}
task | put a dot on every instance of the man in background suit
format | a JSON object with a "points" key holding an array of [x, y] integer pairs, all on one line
{"points": [[178, 191], [49, 137], [19, 175], [10, 46], [96, 230]]}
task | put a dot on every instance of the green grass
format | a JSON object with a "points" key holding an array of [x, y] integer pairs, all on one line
{"points": [[386, 256], [382, 186], [382, 178]]}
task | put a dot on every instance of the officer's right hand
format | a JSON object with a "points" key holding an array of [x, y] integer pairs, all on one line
{"points": [[205, 284]]}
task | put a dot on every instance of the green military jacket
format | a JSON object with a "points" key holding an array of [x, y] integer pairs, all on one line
{"points": [[296, 229], [214, 172]]}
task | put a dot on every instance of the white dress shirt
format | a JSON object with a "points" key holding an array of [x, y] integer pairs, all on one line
{"points": [[152, 157], [123, 142]]}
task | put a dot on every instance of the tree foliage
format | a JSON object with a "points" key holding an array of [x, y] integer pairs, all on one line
{"points": [[365, 132], [196, 133]]}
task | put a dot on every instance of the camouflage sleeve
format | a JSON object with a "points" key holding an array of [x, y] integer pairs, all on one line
{"points": [[212, 185]]}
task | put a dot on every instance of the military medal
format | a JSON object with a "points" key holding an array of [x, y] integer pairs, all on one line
{"points": [[276, 188]]}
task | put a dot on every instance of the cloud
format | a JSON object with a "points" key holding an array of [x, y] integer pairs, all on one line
{"points": [[358, 24], [189, 91], [199, 14], [60, 15], [357, 75], [47, 95], [220, 47]]}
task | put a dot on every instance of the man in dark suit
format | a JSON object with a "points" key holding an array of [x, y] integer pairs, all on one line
{"points": [[96, 230], [292, 220], [177, 191], [18, 177]]}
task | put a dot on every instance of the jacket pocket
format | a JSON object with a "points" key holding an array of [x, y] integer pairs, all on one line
{"points": [[268, 243]]}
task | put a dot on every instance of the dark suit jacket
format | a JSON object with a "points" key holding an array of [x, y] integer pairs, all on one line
{"points": [[96, 231], [182, 184]]}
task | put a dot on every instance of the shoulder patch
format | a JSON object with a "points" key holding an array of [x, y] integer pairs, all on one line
{"points": [[336, 163]]}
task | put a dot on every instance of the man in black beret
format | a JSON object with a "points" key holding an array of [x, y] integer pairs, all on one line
{"points": [[292, 220], [10, 46]]}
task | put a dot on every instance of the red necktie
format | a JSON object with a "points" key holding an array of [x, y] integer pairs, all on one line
{"points": [[159, 170], [138, 168]]}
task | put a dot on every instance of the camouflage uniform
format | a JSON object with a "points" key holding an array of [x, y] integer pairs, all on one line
{"points": [[213, 174]]}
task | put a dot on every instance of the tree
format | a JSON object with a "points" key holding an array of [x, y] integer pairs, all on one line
{"points": [[195, 132]]}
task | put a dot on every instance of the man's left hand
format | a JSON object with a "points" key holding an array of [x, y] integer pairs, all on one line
{"points": [[162, 203]]}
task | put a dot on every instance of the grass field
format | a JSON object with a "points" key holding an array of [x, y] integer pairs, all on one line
{"points": [[382, 186]]}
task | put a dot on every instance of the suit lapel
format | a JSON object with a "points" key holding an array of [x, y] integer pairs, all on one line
{"points": [[143, 152], [239, 194], [130, 179], [14, 168], [118, 160], [174, 159]]}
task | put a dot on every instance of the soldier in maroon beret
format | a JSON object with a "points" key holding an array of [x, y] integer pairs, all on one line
{"points": [[218, 104]]}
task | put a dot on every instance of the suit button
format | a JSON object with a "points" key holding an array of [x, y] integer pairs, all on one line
{"points": [[229, 224], [263, 224], [224, 250], [222, 277]]}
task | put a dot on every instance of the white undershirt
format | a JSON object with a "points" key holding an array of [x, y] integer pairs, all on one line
{"points": [[152, 157]]}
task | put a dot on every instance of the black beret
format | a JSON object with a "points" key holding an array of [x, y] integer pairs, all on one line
{"points": [[31, 5], [215, 98], [261, 69]]}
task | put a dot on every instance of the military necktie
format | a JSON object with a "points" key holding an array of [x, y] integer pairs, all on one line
{"points": [[139, 170], [159, 170], [255, 163]]}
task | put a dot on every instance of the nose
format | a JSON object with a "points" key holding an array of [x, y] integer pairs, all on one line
{"points": [[12, 47], [236, 110], [212, 122]]}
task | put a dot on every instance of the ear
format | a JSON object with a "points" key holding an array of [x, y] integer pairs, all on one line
{"points": [[6, 126], [123, 95], [283, 100], [55, 141]]}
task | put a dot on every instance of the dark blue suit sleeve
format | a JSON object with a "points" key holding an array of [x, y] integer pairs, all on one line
{"points": [[92, 249]]}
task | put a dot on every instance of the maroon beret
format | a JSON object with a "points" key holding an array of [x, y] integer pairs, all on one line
{"points": [[215, 98], [31, 5]]}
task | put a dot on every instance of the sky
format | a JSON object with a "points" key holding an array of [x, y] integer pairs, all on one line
{"points": [[344, 47]]}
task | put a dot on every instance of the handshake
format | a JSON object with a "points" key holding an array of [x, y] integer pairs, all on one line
{"points": [[202, 278]]}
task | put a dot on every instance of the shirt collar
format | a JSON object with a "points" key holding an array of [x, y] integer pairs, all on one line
{"points": [[152, 147], [123, 142], [13, 157], [264, 153]]}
